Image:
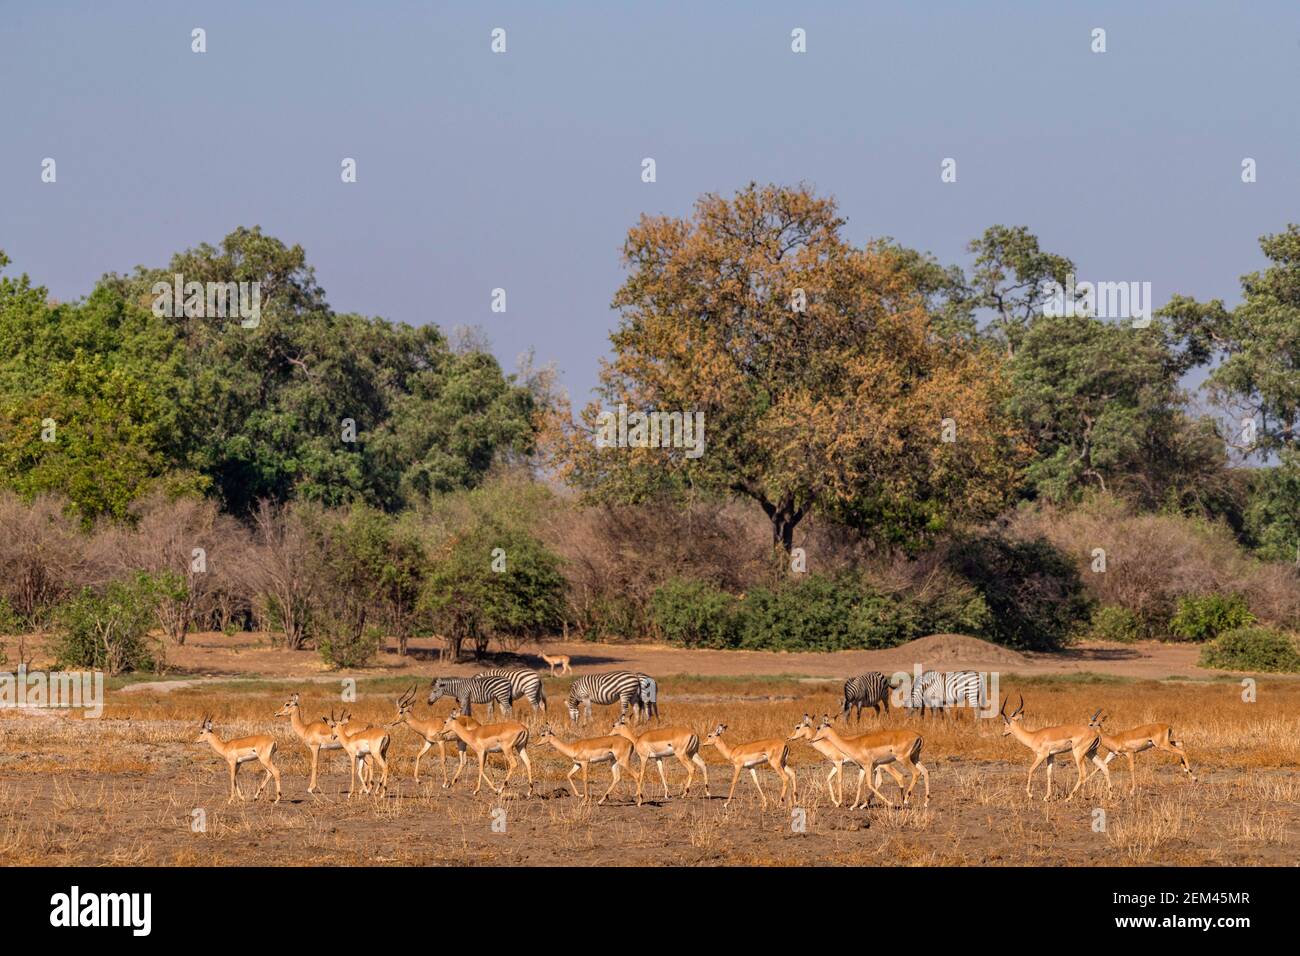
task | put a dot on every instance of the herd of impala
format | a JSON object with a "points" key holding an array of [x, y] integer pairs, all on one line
{"points": [[883, 750]]}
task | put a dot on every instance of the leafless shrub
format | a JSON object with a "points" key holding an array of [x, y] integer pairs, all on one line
{"points": [[42, 555], [280, 570]]}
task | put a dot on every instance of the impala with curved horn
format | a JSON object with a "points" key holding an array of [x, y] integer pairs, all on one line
{"points": [[1080, 740]]}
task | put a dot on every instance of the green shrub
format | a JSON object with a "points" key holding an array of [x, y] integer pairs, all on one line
{"points": [[1253, 649], [1110, 622], [341, 645], [9, 622], [694, 613], [1033, 591], [1204, 617], [109, 631]]}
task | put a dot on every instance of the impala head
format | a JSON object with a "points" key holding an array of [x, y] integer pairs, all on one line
{"points": [[802, 730], [404, 706], [545, 733], [619, 724], [714, 734], [336, 722], [1096, 719], [289, 707], [451, 720], [1015, 716], [822, 728], [205, 731]]}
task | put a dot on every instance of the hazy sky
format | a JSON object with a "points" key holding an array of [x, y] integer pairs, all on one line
{"points": [[522, 170]]}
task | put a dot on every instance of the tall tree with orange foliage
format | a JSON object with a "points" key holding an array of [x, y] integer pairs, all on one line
{"points": [[825, 383]]}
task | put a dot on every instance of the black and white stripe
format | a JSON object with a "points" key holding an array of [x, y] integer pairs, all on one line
{"points": [[523, 683], [625, 687], [467, 691], [867, 690], [940, 690]]}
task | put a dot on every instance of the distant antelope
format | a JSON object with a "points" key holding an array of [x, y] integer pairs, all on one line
{"points": [[750, 756], [364, 746], [1138, 739], [430, 731], [558, 660], [1080, 740], [868, 690], [317, 735], [680, 742], [870, 751], [614, 750], [804, 730], [510, 739], [241, 750]]}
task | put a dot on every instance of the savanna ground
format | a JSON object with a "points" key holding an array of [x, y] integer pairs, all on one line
{"points": [[123, 789]]}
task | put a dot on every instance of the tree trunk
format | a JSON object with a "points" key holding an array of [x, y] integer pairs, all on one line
{"points": [[784, 518]]}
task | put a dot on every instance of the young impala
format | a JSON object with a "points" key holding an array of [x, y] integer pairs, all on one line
{"points": [[1080, 740], [509, 739], [430, 731], [614, 750], [241, 750], [804, 730], [317, 735], [680, 742], [871, 751], [558, 660], [1138, 739], [749, 757], [364, 746]]}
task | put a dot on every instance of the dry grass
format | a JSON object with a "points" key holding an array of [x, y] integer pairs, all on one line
{"points": [[123, 790]]}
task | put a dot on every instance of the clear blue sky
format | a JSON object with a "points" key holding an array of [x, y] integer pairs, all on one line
{"points": [[523, 170]]}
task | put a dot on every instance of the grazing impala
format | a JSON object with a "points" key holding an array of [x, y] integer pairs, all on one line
{"points": [[317, 735], [430, 731], [804, 730], [1080, 740], [366, 745], [260, 747], [871, 751], [1138, 739], [614, 750], [750, 756], [509, 739], [680, 742], [558, 660]]}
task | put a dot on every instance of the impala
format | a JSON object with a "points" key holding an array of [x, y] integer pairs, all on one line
{"points": [[317, 735], [804, 730], [749, 757], [260, 747], [430, 731], [366, 745], [1138, 739], [870, 751], [1081, 740], [680, 742], [614, 750], [558, 660], [509, 739]]}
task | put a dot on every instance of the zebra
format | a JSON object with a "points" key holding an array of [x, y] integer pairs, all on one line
{"points": [[626, 687], [473, 690], [941, 690], [869, 690], [523, 683]]}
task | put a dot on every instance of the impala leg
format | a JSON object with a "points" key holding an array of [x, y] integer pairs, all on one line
{"points": [[734, 777], [528, 768], [753, 773], [781, 770], [830, 785], [690, 770], [614, 770], [234, 786], [1029, 784], [315, 756], [423, 750], [893, 772], [857, 796], [383, 773], [1105, 771], [883, 799], [704, 772], [482, 758], [640, 777], [1177, 750], [572, 786], [664, 780]]}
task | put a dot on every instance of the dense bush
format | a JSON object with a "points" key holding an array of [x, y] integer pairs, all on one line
{"points": [[1110, 622], [1204, 617], [1253, 649], [694, 613], [1034, 594], [109, 631]]}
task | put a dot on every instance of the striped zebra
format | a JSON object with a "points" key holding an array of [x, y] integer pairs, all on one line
{"points": [[940, 690], [868, 690], [523, 683], [473, 690], [625, 687]]}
